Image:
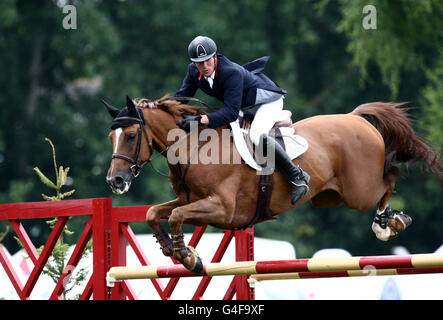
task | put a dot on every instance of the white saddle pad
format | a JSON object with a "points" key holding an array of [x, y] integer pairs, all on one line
{"points": [[295, 145]]}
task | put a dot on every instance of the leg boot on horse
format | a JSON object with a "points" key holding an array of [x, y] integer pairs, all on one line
{"points": [[153, 217], [176, 247]]}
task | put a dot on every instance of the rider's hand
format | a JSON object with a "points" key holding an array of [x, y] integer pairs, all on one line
{"points": [[205, 119], [185, 123]]}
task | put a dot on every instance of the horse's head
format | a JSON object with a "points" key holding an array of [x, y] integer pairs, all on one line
{"points": [[131, 151]]}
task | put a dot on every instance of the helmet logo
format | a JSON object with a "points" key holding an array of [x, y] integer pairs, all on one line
{"points": [[201, 52]]}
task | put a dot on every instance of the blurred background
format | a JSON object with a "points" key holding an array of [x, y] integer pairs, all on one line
{"points": [[52, 79]]}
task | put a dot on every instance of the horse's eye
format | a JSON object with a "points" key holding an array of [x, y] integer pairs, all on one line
{"points": [[130, 136]]}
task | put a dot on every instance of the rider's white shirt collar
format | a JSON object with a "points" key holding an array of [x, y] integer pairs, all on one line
{"points": [[210, 79]]}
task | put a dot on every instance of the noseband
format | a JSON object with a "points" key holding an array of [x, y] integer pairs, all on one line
{"points": [[135, 168]]}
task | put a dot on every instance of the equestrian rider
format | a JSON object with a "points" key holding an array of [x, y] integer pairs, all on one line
{"points": [[240, 88]]}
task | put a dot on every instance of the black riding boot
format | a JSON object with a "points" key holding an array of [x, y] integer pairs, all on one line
{"points": [[296, 176]]}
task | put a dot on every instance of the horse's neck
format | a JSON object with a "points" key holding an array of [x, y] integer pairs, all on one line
{"points": [[160, 138], [160, 125]]}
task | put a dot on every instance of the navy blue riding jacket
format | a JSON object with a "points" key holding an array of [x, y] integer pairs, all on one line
{"points": [[236, 86]]}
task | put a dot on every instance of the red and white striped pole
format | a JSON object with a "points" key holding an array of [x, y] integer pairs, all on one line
{"points": [[417, 263]]}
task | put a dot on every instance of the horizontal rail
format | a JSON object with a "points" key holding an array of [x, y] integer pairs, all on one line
{"points": [[345, 273], [280, 266], [46, 209], [130, 214]]}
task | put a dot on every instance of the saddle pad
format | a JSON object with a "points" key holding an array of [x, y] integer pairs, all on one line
{"points": [[242, 147], [295, 145]]}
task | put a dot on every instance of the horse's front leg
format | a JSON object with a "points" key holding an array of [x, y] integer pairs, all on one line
{"points": [[210, 210], [153, 217]]}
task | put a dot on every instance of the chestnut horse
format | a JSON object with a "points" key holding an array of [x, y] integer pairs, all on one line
{"points": [[349, 161]]}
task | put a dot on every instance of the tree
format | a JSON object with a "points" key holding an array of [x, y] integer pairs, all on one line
{"points": [[405, 38]]}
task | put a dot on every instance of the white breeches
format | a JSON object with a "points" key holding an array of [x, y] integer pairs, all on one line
{"points": [[265, 118]]}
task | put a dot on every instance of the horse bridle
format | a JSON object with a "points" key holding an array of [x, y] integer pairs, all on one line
{"points": [[135, 168]]}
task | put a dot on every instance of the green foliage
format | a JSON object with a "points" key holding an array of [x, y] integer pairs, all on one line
{"points": [[405, 29], [60, 176], [57, 262], [432, 122], [4, 234]]}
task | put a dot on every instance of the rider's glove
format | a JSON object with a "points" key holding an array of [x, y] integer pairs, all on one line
{"points": [[185, 123]]}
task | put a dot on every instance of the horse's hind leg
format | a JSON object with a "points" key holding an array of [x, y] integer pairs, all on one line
{"points": [[387, 222], [153, 217]]}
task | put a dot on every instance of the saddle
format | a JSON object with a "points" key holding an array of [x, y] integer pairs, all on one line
{"points": [[284, 134]]}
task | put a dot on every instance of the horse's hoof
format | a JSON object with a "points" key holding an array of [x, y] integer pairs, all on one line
{"points": [[197, 265], [407, 220], [400, 221], [397, 223], [393, 235]]}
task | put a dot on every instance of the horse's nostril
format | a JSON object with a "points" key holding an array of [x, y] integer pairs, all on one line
{"points": [[118, 181]]}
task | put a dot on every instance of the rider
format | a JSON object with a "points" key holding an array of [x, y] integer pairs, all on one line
{"points": [[240, 88]]}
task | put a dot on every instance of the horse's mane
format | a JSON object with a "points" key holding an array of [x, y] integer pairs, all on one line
{"points": [[173, 107]]}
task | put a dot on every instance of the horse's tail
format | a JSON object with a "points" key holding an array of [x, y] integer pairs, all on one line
{"points": [[402, 144]]}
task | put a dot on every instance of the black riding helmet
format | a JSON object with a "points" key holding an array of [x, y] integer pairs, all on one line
{"points": [[201, 48]]}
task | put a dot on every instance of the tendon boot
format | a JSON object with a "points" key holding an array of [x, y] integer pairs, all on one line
{"points": [[296, 176]]}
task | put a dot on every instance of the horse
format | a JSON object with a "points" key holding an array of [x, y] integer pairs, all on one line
{"points": [[350, 160]]}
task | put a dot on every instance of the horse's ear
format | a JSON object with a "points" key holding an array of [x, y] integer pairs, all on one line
{"points": [[113, 111], [131, 106]]}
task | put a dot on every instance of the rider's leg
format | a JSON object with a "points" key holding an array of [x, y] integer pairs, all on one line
{"points": [[264, 120], [297, 178]]}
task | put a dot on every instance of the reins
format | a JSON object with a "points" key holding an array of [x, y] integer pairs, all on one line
{"points": [[136, 167], [195, 100]]}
